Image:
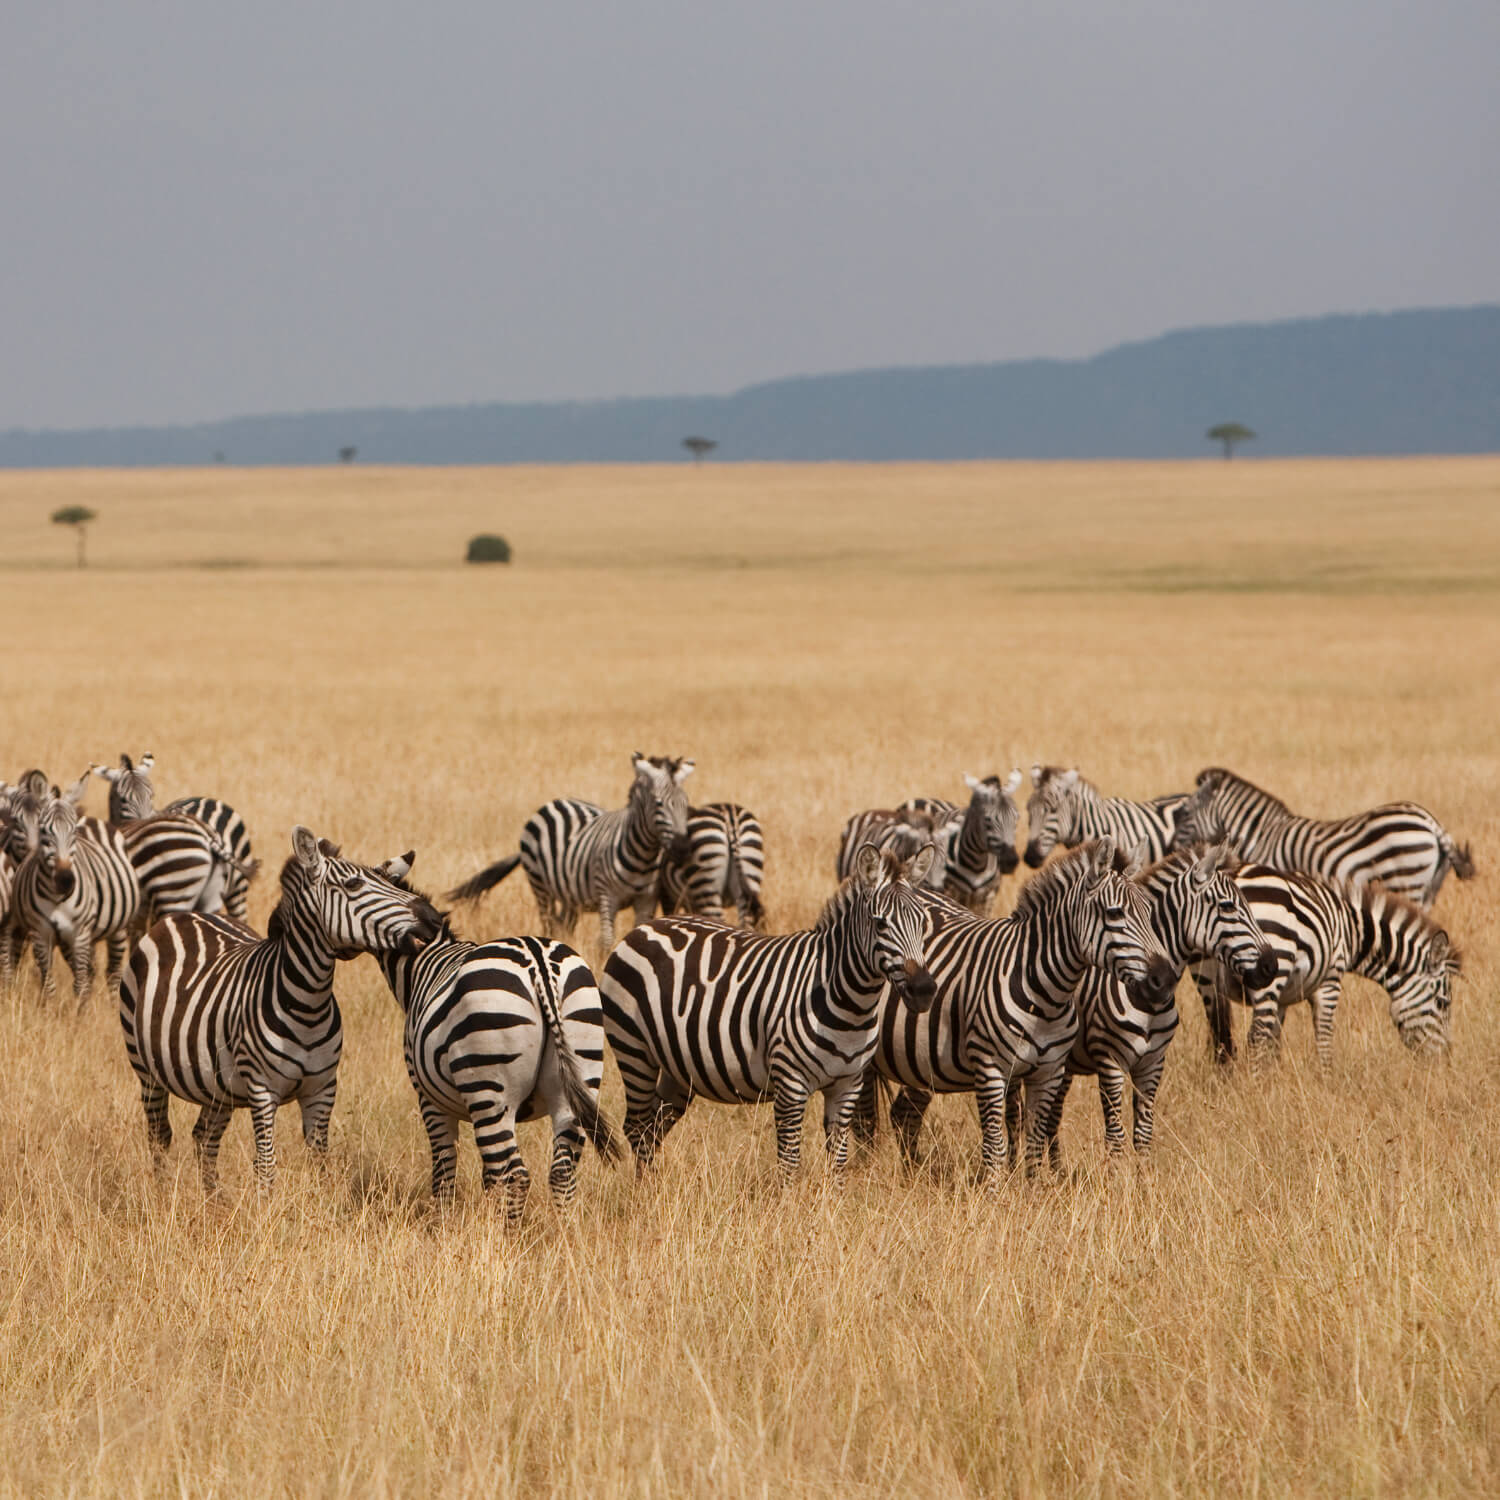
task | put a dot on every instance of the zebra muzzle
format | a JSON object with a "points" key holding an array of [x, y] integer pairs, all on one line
{"points": [[916, 987], [1261, 972], [62, 878], [1008, 859], [1156, 989], [1034, 855]]}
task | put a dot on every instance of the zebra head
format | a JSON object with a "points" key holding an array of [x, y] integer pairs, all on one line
{"points": [[1420, 981], [658, 785], [1199, 819], [57, 835], [997, 806], [1051, 811], [1215, 918], [1112, 921], [130, 794], [355, 908], [896, 922]]}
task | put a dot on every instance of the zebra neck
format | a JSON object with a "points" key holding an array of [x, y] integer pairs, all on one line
{"points": [[1255, 824], [1377, 947], [304, 961], [640, 846], [1053, 957], [842, 948], [397, 968], [1166, 922], [971, 854]]}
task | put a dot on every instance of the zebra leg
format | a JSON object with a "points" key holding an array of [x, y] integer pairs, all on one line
{"points": [[1044, 1116], [1325, 1002], [212, 1121], [567, 1147], [789, 1102], [606, 922], [316, 1108], [1143, 1104], [864, 1118], [992, 1089], [41, 950], [442, 1137], [838, 1104], [1112, 1105], [116, 948], [1015, 1110], [907, 1110], [1052, 1125], [154, 1099], [1265, 1033], [499, 1155], [1212, 984], [263, 1121], [80, 958]]}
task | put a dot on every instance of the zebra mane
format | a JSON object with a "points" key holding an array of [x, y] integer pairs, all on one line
{"points": [[1050, 773], [1177, 860], [843, 898], [1055, 879], [1387, 908], [1216, 778], [292, 880]]}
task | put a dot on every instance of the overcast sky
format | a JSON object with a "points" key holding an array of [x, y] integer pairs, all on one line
{"points": [[208, 210]]}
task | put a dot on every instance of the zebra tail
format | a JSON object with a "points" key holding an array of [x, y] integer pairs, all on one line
{"points": [[1460, 857], [486, 880], [581, 1098]]}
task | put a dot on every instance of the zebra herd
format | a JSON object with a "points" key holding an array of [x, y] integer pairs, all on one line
{"points": [[904, 987]]}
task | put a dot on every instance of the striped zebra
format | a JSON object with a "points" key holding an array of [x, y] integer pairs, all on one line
{"points": [[1065, 809], [176, 875], [723, 866], [76, 887], [975, 845], [578, 857], [497, 1033], [1318, 933], [229, 1020], [693, 1007], [20, 811], [1197, 910], [8, 795], [1005, 1013], [1399, 844]]}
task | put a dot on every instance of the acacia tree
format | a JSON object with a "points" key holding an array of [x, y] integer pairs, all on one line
{"points": [[699, 446], [348, 455], [78, 517], [1230, 433]]}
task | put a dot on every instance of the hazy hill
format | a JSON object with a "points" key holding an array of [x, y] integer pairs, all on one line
{"points": [[1425, 381]]}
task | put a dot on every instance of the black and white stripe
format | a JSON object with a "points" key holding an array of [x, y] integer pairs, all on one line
{"points": [[1399, 844], [1197, 910], [219, 1016], [578, 857], [75, 888], [498, 1033], [1005, 1013], [1065, 809], [693, 1007], [975, 844], [723, 866], [1318, 933]]}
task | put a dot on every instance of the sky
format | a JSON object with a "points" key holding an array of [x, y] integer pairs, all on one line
{"points": [[209, 210]]}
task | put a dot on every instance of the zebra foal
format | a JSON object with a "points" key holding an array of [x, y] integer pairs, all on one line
{"points": [[229, 1020], [1317, 933], [694, 1008], [498, 1033], [1065, 809], [578, 857], [1399, 844], [723, 866]]}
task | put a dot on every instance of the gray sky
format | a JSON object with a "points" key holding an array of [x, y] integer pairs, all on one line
{"points": [[211, 210]]}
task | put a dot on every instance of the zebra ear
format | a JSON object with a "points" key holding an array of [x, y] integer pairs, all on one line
{"points": [[1103, 861], [146, 762], [1070, 777], [400, 867], [972, 782], [683, 770], [109, 773], [1011, 782], [305, 846], [919, 864], [1206, 866], [75, 793], [1036, 776], [867, 865], [1138, 859]]}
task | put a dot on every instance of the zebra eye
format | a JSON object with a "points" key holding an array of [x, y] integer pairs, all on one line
{"points": [[1228, 908], [1114, 913], [352, 884]]}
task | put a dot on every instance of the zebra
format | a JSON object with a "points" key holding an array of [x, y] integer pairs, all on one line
{"points": [[220, 1016], [976, 845], [1400, 844], [497, 1033], [1318, 932], [693, 1007], [76, 887], [223, 862], [579, 857], [1005, 1012], [723, 866], [1197, 909], [1065, 809]]}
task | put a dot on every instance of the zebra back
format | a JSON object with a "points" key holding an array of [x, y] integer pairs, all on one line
{"points": [[723, 866], [230, 828]]}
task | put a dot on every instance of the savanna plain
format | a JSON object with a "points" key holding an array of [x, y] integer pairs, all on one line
{"points": [[1299, 1293]]}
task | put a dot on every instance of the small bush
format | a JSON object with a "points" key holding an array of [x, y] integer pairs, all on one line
{"points": [[487, 548]]}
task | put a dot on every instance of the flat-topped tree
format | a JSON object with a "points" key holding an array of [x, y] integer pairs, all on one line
{"points": [[78, 517], [699, 446], [1230, 433]]}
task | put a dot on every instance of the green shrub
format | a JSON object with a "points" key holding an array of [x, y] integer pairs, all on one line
{"points": [[487, 548]]}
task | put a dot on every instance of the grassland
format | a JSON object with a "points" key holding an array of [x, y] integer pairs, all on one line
{"points": [[1299, 1294]]}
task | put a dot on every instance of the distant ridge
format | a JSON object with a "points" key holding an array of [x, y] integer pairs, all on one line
{"points": [[1423, 381]]}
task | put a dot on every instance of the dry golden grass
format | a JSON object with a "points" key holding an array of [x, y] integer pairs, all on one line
{"points": [[1298, 1295]]}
